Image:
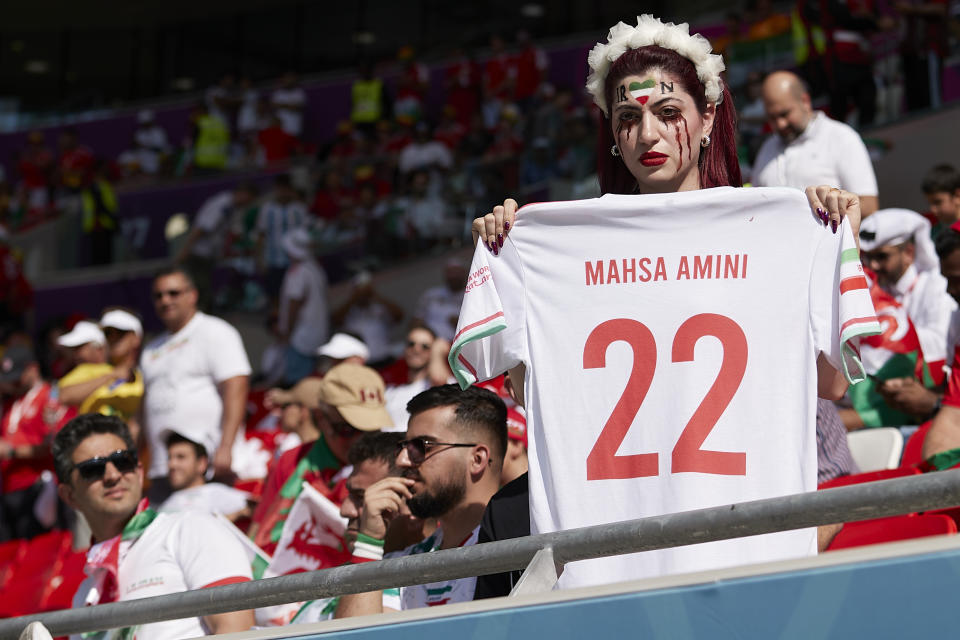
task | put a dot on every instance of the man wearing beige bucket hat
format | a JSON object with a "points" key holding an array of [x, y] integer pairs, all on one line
{"points": [[349, 403]]}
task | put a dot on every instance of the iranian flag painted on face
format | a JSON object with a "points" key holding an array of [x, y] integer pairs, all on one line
{"points": [[641, 91]]}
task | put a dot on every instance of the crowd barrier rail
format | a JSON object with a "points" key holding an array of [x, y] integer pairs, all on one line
{"points": [[542, 555]]}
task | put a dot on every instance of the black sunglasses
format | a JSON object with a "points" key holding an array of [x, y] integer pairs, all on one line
{"points": [[417, 448], [125, 461]]}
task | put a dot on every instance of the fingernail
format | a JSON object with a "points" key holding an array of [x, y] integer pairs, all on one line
{"points": [[506, 225], [500, 239], [823, 216], [834, 225], [489, 246], [496, 251]]}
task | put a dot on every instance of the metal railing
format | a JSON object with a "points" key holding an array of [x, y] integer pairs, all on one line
{"points": [[844, 504]]}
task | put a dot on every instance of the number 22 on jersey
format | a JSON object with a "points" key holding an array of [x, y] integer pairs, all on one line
{"points": [[603, 463]]}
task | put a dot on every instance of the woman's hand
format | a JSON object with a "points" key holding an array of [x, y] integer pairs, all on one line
{"points": [[494, 227], [831, 205]]}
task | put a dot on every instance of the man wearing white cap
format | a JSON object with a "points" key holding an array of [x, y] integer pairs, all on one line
{"points": [[86, 343], [896, 245], [187, 461], [114, 387], [304, 314], [344, 347]]}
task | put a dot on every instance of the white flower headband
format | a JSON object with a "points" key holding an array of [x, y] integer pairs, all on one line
{"points": [[651, 31]]}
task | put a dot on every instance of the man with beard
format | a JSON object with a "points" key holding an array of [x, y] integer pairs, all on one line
{"points": [[810, 148], [451, 461]]}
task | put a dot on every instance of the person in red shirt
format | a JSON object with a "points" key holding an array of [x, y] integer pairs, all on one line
{"points": [[76, 163], [30, 418], [463, 87], [529, 65], [35, 167], [333, 197], [498, 73], [277, 145]]}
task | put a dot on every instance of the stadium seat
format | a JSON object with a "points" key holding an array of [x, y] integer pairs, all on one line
{"points": [[10, 553], [858, 534], [872, 476], [64, 584], [912, 448], [30, 583], [876, 449]]}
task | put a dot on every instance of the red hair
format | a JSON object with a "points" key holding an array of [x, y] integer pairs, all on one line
{"points": [[718, 165]]}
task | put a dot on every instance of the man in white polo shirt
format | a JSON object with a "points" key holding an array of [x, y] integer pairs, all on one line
{"points": [[809, 147], [138, 553], [195, 375]]}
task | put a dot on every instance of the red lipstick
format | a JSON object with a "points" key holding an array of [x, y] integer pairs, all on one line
{"points": [[653, 159]]}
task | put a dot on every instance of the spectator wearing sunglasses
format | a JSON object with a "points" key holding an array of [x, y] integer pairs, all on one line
{"points": [[451, 461], [413, 373], [187, 462], [349, 403], [137, 552], [114, 387], [195, 374], [30, 418]]}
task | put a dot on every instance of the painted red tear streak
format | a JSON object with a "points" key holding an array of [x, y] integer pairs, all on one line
{"points": [[676, 126], [687, 129], [621, 127]]}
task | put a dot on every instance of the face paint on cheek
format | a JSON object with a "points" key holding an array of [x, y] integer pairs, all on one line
{"points": [[676, 127], [687, 130]]}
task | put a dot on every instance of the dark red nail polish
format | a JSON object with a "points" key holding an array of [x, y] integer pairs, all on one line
{"points": [[496, 251], [489, 246], [506, 225], [500, 239], [834, 225]]}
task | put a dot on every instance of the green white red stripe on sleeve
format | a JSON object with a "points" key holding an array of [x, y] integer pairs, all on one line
{"points": [[857, 315]]}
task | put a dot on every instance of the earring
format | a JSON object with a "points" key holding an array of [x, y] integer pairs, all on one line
{"points": [[705, 141], [615, 151]]}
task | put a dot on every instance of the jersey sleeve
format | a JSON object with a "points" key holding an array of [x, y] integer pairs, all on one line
{"points": [[208, 553], [489, 336], [840, 305], [855, 168], [226, 354]]}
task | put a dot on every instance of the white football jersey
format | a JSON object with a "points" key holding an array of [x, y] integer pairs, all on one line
{"points": [[671, 343]]}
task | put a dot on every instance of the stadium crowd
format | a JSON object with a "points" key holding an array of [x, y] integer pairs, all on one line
{"points": [[175, 456]]}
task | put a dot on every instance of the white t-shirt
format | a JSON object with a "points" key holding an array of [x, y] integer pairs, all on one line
{"points": [[924, 295], [434, 593], [307, 281], [212, 219], [827, 152], [373, 323], [437, 306], [178, 552], [212, 497], [180, 377], [290, 119], [671, 343], [396, 398]]}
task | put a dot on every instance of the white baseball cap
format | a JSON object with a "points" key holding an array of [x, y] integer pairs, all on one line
{"points": [[342, 346], [123, 320], [82, 333]]}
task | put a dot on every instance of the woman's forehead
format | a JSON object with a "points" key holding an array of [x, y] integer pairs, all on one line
{"points": [[653, 84]]}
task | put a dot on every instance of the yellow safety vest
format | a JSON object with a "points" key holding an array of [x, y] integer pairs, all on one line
{"points": [[367, 100], [100, 208], [802, 39], [213, 138]]}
